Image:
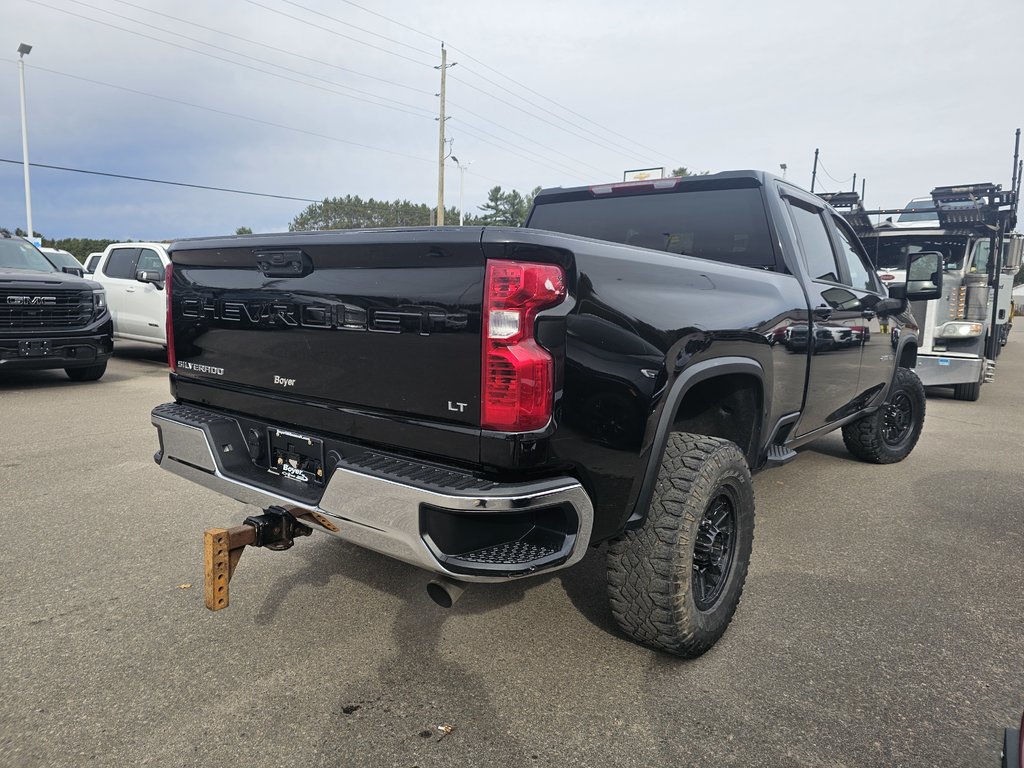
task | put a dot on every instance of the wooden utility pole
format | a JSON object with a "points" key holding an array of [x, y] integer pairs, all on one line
{"points": [[440, 139]]}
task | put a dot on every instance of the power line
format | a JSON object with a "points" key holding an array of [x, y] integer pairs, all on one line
{"points": [[603, 144], [598, 140], [361, 29], [837, 181], [549, 99], [393, 21], [581, 163], [310, 59], [533, 154], [338, 34], [249, 118], [545, 120], [500, 74], [287, 69], [423, 114], [161, 181], [355, 207], [228, 114], [534, 158]]}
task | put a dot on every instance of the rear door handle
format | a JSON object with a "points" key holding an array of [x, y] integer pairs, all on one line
{"points": [[823, 312]]}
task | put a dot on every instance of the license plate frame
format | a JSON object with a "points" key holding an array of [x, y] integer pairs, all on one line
{"points": [[295, 456]]}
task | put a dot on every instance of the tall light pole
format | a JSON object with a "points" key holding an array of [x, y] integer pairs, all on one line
{"points": [[462, 183], [24, 49]]}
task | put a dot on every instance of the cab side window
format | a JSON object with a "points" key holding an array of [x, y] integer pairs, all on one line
{"points": [[819, 257], [861, 276], [149, 260], [122, 263]]}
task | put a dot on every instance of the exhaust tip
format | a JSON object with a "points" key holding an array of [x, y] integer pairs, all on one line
{"points": [[444, 591]]}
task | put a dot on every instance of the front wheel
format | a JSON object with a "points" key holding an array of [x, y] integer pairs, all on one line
{"points": [[889, 434], [87, 373], [675, 582]]}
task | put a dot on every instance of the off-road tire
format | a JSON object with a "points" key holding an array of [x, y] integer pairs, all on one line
{"points": [[87, 373], [889, 434], [651, 568]]}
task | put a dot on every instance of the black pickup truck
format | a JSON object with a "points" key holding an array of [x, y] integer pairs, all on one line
{"points": [[50, 318], [487, 403]]}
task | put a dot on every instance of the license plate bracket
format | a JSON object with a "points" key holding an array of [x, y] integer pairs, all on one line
{"points": [[295, 456], [34, 348]]}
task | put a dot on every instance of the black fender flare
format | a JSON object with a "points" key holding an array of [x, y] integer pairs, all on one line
{"points": [[687, 379]]}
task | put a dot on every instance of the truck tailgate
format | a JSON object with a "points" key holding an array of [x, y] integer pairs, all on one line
{"points": [[353, 321]]}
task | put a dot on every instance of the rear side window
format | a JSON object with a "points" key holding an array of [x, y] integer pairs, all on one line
{"points": [[815, 243], [727, 225], [861, 276], [122, 263]]}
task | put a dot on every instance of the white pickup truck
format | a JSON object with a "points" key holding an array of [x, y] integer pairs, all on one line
{"points": [[133, 274]]}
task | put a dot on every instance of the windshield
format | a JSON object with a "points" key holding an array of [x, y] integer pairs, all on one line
{"points": [[728, 225], [981, 251], [62, 259], [925, 202], [17, 254], [892, 252]]}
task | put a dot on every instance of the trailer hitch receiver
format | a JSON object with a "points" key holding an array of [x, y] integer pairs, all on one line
{"points": [[275, 529]]}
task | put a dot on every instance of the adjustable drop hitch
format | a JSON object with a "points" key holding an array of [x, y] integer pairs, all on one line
{"points": [[275, 529]]}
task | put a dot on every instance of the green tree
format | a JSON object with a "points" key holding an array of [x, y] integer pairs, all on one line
{"points": [[80, 247], [243, 231], [682, 170], [507, 209], [352, 212]]}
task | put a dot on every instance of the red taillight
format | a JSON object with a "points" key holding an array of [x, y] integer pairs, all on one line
{"points": [[168, 326], [517, 390]]}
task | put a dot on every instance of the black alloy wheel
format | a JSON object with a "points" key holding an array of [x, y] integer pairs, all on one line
{"points": [[889, 434], [898, 420], [714, 551]]}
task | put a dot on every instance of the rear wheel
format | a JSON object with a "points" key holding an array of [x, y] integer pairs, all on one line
{"points": [[889, 434], [674, 583], [970, 392], [87, 373]]}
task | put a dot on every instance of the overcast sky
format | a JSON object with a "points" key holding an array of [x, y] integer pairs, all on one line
{"points": [[316, 98]]}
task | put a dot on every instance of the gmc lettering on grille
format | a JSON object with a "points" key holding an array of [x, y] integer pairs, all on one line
{"points": [[31, 300]]}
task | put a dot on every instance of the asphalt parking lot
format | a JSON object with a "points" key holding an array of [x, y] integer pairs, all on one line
{"points": [[881, 624]]}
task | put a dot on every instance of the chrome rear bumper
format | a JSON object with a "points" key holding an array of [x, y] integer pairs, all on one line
{"points": [[387, 514]]}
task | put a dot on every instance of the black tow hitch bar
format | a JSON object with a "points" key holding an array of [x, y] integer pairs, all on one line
{"points": [[275, 529]]}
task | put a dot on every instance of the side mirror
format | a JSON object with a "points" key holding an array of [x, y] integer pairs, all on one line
{"points": [[924, 276], [893, 305], [1013, 253], [152, 277], [76, 271]]}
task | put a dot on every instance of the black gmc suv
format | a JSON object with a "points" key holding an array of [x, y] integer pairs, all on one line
{"points": [[50, 318], [488, 403]]}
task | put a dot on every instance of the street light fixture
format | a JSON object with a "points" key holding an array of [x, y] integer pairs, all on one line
{"points": [[23, 50], [462, 179], [783, 167]]}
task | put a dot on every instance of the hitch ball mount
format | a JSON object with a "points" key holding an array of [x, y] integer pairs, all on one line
{"points": [[275, 529]]}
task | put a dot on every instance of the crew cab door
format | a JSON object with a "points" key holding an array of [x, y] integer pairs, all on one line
{"points": [[118, 277], [146, 306], [833, 337], [877, 359]]}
